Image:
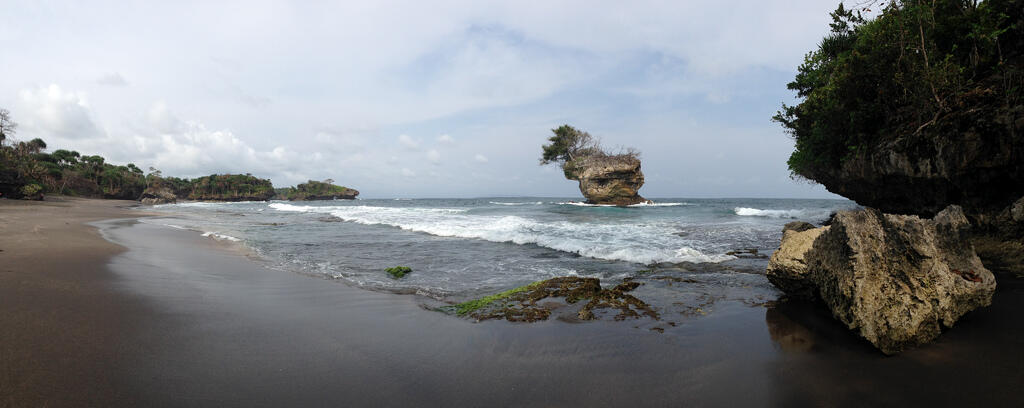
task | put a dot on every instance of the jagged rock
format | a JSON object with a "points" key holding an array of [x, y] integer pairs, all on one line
{"points": [[613, 180], [898, 279], [158, 195], [787, 268]]}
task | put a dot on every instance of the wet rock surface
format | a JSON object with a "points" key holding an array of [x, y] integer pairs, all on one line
{"points": [[526, 305], [897, 280]]}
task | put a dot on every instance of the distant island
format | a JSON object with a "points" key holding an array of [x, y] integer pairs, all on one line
{"points": [[605, 178], [27, 171], [318, 190]]}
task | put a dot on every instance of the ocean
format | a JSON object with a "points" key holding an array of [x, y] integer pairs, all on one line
{"points": [[462, 248]]}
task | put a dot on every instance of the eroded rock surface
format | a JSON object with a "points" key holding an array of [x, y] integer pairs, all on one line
{"points": [[613, 180], [787, 268], [897, 279]]}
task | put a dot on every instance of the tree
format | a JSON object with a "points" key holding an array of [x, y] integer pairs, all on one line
{"points": [[7, 125], [870, 81], [567, 144]]}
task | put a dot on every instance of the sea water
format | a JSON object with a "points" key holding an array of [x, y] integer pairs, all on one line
{"points": [[465, 247]]}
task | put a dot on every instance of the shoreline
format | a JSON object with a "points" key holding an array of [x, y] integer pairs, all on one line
{"points": [[173, 319]]}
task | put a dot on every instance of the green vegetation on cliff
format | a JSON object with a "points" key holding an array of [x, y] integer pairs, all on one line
{"points": [[897, 74], [319, 190]]}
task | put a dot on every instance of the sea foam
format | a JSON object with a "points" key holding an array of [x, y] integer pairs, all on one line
{"points": [[644, 244], [792, 213]]}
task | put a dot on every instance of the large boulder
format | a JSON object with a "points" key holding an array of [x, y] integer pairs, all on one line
{"points": [[613, 180], [158, 195], [898, 279], [787, 268]]}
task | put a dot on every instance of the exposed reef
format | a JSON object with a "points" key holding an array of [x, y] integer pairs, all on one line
{"points": [[523, 304]]}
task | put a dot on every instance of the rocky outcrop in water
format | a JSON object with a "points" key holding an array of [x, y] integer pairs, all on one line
{"points": [[613, 180], [158, 195], [895, 279]]}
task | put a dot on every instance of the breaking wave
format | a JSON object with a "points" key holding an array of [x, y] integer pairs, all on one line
{"points": [[502, 203], [220, 237], [643, 244], [794, 213]]}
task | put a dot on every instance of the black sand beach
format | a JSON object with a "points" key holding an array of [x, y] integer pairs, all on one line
{"points": [[177, 320]]}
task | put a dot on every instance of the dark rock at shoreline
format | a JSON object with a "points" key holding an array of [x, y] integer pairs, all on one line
{"points": [[895, 279], [613, 180], [158, 195], [524, 304]]}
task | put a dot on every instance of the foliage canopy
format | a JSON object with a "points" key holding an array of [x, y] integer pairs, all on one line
{"points": [[897, 74]]}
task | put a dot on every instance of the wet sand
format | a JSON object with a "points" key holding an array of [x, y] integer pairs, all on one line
{"points": [[62, 325], [178, 320]]}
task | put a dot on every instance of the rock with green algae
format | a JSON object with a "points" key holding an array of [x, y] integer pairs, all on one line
{"points": [[523, 304], [397, 272]]}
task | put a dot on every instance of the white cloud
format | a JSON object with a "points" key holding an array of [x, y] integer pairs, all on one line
{"points": [[446, 139], [408, 173], [112, 79], [408, 142], [479, 158], [52, 112], [434, 157]]}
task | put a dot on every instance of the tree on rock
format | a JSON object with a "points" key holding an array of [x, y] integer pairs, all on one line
{"points": [[605, 178]]}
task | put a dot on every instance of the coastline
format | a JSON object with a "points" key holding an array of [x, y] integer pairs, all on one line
{"points": [[169, 318]]}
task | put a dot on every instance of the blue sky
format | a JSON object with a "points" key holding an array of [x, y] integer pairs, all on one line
{"points": [[416, 99]]}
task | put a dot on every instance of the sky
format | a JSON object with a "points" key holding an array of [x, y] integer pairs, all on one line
{"points": [[415, 98]]}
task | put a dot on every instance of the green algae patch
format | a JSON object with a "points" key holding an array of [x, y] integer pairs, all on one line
{"points": [[465, 308], [398, 271], [523, 304]]}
